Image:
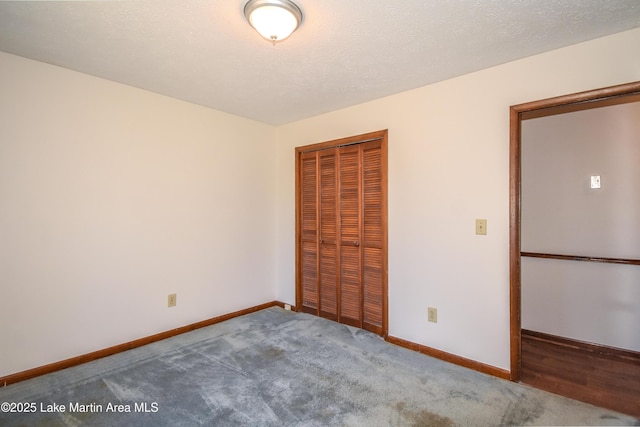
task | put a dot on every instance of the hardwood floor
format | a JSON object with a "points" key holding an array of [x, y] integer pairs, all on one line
{"points": [[600, 375]]}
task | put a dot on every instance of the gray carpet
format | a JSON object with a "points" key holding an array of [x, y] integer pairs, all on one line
{"points": [[279, 368]]}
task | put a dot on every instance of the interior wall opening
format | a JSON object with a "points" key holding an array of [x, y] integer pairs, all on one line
{"points": [[575, 263]]}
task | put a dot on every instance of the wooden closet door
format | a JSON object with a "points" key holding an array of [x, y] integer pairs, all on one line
{"points": [[309, 240], [373, 238], [328, 269], [350, 235], [341, 231]]}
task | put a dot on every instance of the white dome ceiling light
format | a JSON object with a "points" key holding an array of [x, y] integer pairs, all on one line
{"points": [[275, 20]]}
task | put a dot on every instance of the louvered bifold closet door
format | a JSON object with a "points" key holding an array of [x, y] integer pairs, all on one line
{"points": [[329, 268], [373, 237], [309, 231], [341, 237], [350, 236]]}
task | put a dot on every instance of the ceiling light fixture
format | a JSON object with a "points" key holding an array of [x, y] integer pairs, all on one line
{"points": [[275, 20]]}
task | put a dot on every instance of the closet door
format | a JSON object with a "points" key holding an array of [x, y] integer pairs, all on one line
{"points": [[373, 238], [350, 235], [308, 232], [319, 233], [341, 231], [328, 269]]}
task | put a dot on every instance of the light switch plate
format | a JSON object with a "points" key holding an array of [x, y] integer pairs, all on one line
{"points": [[595, 181], [481, 226]]}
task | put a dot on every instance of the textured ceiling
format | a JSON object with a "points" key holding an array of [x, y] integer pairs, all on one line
{"points": [[346, 51]]}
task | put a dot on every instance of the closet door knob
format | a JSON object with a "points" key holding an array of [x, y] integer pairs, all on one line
{"points": [[356, 243]]}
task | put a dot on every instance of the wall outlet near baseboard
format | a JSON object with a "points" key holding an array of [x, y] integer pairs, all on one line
{"points": [[432, 314], [287, 307], [172, 300]]}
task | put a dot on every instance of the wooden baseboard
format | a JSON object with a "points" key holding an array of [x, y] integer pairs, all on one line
{"points": [[451, 358], [78, 360], [601, 375]]}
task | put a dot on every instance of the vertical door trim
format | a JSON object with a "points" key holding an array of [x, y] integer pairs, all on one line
{"points": [[334, 144], [613, 95]]}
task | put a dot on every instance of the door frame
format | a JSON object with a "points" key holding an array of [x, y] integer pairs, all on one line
{"points": [[381, 135], [612, 95]]}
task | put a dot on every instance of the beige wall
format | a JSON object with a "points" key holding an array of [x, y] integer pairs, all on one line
{"points": [[448, 165], [561, 214], [111, 198]]}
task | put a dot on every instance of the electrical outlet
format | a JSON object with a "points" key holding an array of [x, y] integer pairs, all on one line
{"points": [[432, 314], [287, 307], [171, 300]]}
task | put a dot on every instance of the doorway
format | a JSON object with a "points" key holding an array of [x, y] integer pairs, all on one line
{"points": [[599, 374], [341, 230]]}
